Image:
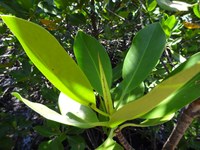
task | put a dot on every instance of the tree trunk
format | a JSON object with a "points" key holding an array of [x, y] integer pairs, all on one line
{"points": [[186, 118]]}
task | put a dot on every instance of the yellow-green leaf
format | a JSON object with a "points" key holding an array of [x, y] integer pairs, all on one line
{"points": [[51, 59], [146, 103]]}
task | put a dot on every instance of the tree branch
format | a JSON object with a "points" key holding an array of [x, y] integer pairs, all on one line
{"points": [[186, 118], [123, 140]]}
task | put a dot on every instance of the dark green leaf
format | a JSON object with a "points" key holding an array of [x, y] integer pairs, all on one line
{"points": [[87, 50]]}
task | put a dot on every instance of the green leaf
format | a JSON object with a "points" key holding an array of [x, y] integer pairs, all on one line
{"points": [[87, 50], [46, 131], [173, 5], [151, 5], [51, 59], [68, 107], [117, 71], [157, 121], [185, 95], [26, 4], [55, 144], [145, 51], [61, 4], [169, 24], [131, 96], [196, 10], [149, 122], [106, 91], [54, 116], [109, 143], [77, 19], [76, 142], [146, 103], [177, 100]]}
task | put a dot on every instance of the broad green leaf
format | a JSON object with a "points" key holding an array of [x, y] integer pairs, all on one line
{"points": [[185, 95], [109, 143], [54, 144], [77, 19], [106, 90], [173, 5], [146, 103], [69, 106], [149, 122], [117, 71], [87, 50], [151, 5], [26, 4], [177, 100], [54, 116], [131, 96], [169, 24], [76, 142], [196, 10], [46, 131], [157, 121], [144, 53], [51, 59]]}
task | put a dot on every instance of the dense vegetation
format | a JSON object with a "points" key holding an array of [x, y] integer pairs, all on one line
{"points": [[114, 23]]}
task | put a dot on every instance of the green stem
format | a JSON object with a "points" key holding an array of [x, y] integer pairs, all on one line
{"points": [[99, 111]]}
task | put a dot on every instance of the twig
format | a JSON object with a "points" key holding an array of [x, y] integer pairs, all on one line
{"points": [[122, 140], [186, 118]]}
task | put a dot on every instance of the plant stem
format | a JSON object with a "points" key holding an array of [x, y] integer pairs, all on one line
{"points": [[99, 111], [186, 118], [123, 140]]}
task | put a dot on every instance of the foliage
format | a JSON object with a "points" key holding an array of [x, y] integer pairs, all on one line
{"points": [[116, 23]]}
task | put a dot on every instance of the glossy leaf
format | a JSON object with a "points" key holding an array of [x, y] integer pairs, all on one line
{"points": [[173, 5], [87, 50], [196, 10], [68, 106], [109, 143], [146, 103], [169, 24], [157, 121], [51, 59], [185, 95], [149, 122], [151, 5], [144, 53], [50, 114], [131, 96]]}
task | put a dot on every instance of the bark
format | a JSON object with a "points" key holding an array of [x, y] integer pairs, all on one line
{"points": [[186, 118], [123, 140]]}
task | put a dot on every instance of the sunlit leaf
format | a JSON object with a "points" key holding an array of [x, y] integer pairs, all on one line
{"points": [[150, 122], [196, 10], [69, 119], [146, 103], [68, 106], [185, 95], [173, 5], [51, 59], [151, 5]]}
